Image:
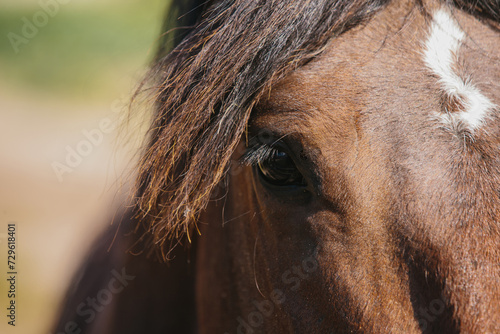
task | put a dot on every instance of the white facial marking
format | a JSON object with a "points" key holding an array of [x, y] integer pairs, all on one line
{"points": [[441, 53]]}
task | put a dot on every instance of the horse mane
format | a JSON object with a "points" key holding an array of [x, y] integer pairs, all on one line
{"points": [[181, 17], [216, 61]]}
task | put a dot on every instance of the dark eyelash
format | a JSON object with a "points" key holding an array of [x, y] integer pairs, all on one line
{"points": [[258, 151], [256, 154]]}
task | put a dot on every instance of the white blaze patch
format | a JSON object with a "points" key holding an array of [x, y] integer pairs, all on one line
{"points": [[441, 55]]}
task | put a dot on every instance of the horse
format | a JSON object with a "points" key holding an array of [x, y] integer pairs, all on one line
{"points": [[320, 166]]}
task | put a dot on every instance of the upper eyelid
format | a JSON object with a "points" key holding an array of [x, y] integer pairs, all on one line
{"points": [[266, 137]]}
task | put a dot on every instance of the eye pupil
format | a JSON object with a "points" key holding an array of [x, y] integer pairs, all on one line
{"points": [[280, 170]]}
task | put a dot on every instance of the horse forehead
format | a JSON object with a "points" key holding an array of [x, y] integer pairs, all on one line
{"points": [[360, 59], [402, 61]]}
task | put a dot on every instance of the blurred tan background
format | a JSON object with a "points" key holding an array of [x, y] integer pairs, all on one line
{"points": [[64, 86]]}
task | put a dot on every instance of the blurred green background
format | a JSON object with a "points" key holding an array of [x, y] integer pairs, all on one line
{"points": [[84, 51], [65, 80]]}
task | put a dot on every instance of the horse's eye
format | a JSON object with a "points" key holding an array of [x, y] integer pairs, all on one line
{"points": [[280, 170]]}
